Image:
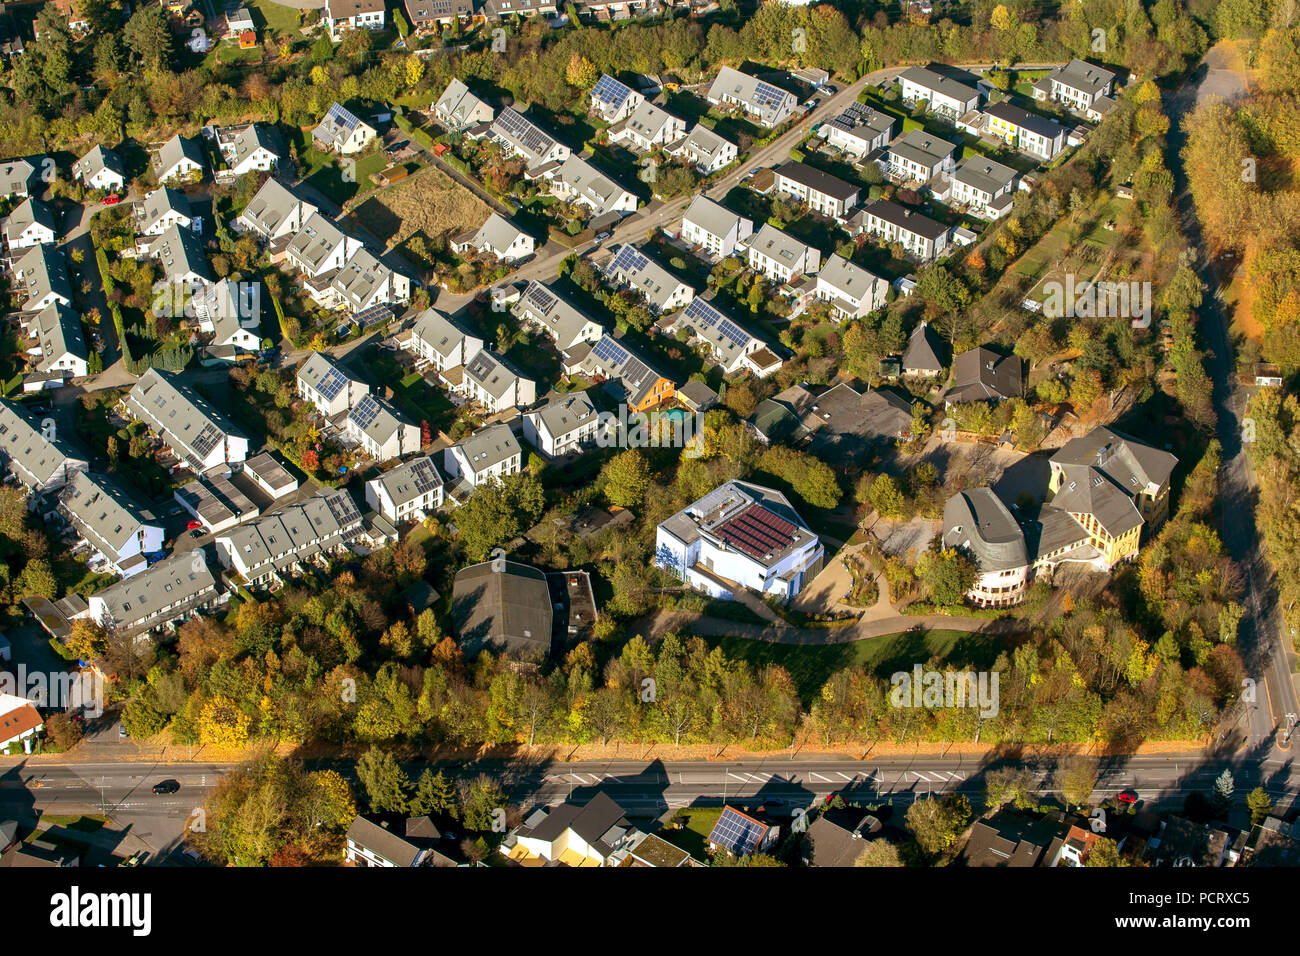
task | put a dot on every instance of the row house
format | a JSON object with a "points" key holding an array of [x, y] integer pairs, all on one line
{"points": [[268, 550]]}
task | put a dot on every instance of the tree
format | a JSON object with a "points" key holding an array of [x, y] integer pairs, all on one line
{"points": [[626, 477], [947, 574], [1260, 806], [1002, 19], [581, 72], [434, 796], [1076, 779], [878, 853], [886, 497], [1224, 786], [149, 36], [64, 732], [498, 512], [386, 783], [484, 804], [1105, 852], [937, 822], [1014, 785]]}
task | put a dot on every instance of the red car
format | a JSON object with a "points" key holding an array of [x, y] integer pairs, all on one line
{"points": [[193, 524], [110, 200], [1126, 796]]}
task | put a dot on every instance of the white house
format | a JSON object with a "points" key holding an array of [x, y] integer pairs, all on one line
{"points": [[648, 127], [821, 192], [1079, 86], [705, 148], [438, 341], [851, 290], [320, 247], [545, 309], [60, 346], [918, 157], [253, 149], [19, 720], [519, 136], [162, 209], [40, 459], [779, 256], [364, 282], [326, 385], [860, 130], [458, 108], [489, 453], [409, 492], [171, 590], [498, 237], [232, 312], [983, 186], [42, 276], [632, 269], [612, 100], [714, 227], [489, 380], [766, 104], [1028, 132], [578, 181], [730, 345], [30, 224], [380, 430], [275, 545], [275, 212], [947, 91], [888, 222], [100, 169], [197, 434], [740, 535], [563, 425], [342, 16], [111, 521], [180, 160], [341, 131]]}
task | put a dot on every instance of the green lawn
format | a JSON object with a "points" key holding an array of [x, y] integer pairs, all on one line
{"points": [[275, 16], [811, 665], [322, 171], [694, 837]]}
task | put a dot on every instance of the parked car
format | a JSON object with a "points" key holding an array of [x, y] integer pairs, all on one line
{"points": [[166, 786], [196, 532], [110, 200], [192, 524]]}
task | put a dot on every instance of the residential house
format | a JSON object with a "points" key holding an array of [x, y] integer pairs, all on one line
{"points": [[175, 588], [111, 521], [1030, 133], [491, 453], [578, 181], [947, 91], [269, 549], [985, 187], [42, 275], [232, 312], [380, 430], [17, 177], [705, 148], [503, 607], [497, 237], [238, 22], [433, 14], [851, 290], [647, 128], [100, 169], [32, 223], [328, 386], [1009, 839], [275, 212], [838, 837], [982, 374], [768, 105], [457, 109], [630, 268], [780, 256], [918, 158], [595, 834], [162, 209], [179, 254], [714, 227], [197, 434], [821, 192], [341, 131], [730, 346], [343, 16], [19, 721], [180, 160], [60, 346], [490, 380], [613, 101], [320, 248], [519, 136], [740, 535], [640, 386], [544, 308], [1079, 86], [399, 843], [497, 10], [254, 148], [860, 130], [739, 834], [918, 234], [437, 340], [34, 453], [840, 424], [364, 282], [921, 357], [565, 424], [409, 492]]}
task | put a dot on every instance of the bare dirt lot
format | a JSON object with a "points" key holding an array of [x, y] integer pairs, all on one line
{"points": [[429, 202]]}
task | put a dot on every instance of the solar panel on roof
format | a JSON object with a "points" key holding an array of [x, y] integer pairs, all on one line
{"points": [[540, 297], [765, 94], [733, 332], [607, 350], [610, 91], [634, 370], [737, 833], [425, 476], [365, 411], [629, 259], [373, 315], [517, 127], [341, 116], [207, 440], [331, 383], [342, 508]]}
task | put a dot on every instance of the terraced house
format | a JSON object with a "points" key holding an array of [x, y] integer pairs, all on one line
{"points": [[170, 591], [1028, 132], [821, 192], [1079, 86], [112, 521], [197, 434], [276, 546], [38, 457]]}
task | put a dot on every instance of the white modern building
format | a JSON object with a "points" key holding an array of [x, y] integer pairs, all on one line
{"points": [[380, 430], [566, 424], [490, 453], [326, 385], [948, 92], [714, 227], [768, 105], [438, 341], [111, 521], [705, 148], [545, 309], [197, 434], [409, 492], [780, 256], [270, 549], [851, 290]]}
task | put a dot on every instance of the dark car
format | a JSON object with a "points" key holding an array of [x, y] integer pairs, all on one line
{"points": [[167, 786], [196, 532]]}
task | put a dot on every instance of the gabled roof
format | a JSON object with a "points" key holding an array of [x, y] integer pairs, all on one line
{"points": [[273, 204], [601, 824], [58, 330], [440, 332], [29, 212], [737, 832], [41, 271], [457, 103], [35, 458], [639, 271], [816, 180], [492, 373], [713, 217], [248, 141], [648, 120], [172, 581], [905, 219], [177, 149], [339, 122], [589, 183], [1025, 120], [97, 159], [563, 320], [567, 413], [489, 446], [496, 234], [942, 79], [410, 480], [777, 245], [981, 374], [102, 511], [850, 282], [701, 142], [383, 842], [186, 421], [180, 254], [922, 350], [159, 203]]}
